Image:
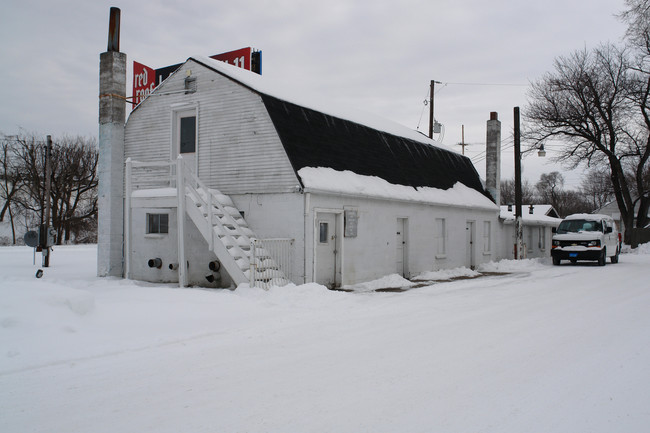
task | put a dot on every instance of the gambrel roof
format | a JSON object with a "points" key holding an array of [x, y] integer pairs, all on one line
{"points": [[320, 138]]}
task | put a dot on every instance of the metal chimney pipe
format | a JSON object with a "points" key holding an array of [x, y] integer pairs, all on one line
{"points": [[114, 30]]}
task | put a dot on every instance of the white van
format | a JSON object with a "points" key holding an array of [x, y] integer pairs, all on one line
{"points": [[586, 237]]}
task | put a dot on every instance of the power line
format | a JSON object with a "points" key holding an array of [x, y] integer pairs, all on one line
{"points": [[488, 84]]}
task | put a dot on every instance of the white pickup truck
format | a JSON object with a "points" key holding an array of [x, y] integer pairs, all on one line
{"points": [[586, 237]]}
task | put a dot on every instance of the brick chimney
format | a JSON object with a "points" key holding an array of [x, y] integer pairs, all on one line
{"points": [[493, 158], [112, 115]]}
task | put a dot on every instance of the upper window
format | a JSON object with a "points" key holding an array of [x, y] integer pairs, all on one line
{"points": [[157, 223], [188, 134]]}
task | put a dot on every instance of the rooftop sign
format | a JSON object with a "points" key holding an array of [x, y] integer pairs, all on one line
{"points": [[145, 79]]}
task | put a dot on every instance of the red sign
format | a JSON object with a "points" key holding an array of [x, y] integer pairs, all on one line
{"points": [[145, 79], [240, 58]]}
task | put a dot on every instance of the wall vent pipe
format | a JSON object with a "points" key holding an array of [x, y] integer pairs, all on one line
{"points": [[155, 263]]}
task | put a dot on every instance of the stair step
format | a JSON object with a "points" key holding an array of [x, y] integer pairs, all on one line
{"points": [[233, 238]]}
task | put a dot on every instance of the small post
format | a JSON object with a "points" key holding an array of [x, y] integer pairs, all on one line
{"points": [[253, 264], [180, 221], [48, 205]]}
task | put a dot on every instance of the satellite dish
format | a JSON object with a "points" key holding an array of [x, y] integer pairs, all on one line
{"points": [[31, 238]]}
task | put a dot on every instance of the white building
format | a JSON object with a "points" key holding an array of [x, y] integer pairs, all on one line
{"points": [[356, 198], [538, 222]]}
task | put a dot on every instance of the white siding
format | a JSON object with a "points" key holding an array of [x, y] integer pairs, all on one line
{"points": [[238, 148]]}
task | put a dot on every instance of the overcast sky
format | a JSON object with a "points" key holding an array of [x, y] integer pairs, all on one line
{"points": [[377, 56]]}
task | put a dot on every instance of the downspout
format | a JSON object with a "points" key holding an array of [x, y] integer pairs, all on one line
{"points": [[307, 199]]}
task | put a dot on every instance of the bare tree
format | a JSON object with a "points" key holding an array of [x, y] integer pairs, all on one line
{"points": [[637, 17], [549, 188], [597, 188], [10, 182], [508, 192], [73, 191], [593, 103]]}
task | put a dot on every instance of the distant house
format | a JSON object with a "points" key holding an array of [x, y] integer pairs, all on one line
{"points": [[538, 221], [332, 196], [611, 209]]}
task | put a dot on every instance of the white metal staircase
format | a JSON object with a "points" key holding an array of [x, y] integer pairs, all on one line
{"points": [[228, 235], [243, 256]]}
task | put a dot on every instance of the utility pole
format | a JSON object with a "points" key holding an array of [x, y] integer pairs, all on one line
{"points": [[431, 121], [462, 138], [48, 187], [519, 246]]}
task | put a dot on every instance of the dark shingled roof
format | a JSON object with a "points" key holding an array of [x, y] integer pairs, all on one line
{"points": [[315, 139]]}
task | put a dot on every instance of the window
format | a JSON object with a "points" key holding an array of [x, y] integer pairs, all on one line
{"points": [[542, 238], [188, 134], [487, 228], [323, 229], [157, 223], [441, 234]]}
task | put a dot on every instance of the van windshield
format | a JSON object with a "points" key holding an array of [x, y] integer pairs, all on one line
{"points": [[575, 226]]}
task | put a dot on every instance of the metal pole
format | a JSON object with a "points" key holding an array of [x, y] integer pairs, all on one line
{"points": [[48, 187], [518, 214], [433, 87]]}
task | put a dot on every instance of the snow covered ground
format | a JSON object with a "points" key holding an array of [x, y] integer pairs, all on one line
{"points": [[543, 349]]}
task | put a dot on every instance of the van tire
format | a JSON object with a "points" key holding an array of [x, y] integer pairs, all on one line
{"points": [[556, 261], [614, 258], [603, 258]]}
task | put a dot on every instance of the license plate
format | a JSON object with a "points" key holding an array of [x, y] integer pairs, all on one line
{"points": [[573, 254]]}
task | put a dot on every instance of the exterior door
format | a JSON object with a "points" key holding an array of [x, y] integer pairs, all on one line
{"points": [[326, 249], [184, 137], [470, 233], [400, 248]]}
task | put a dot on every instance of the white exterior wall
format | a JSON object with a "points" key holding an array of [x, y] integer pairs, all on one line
{"points": [[143, 247], [532, 251], [277, 216], [238, 149], [372, 253]]}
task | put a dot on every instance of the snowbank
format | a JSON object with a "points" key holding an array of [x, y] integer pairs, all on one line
{"points": [[545, 348]]}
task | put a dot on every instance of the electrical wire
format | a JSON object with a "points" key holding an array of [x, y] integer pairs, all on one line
{"points": [[489, 84]]}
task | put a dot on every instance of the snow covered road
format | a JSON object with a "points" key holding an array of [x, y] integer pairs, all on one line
{"points": [[543, 349]]}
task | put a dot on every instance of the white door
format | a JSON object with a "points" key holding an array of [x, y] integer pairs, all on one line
{"points": [[470, 242], [184, 137], [400, 248], [326, 249]]}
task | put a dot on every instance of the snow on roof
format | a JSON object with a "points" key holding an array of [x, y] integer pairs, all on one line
{"points": [[537, 217], [281, 91], [588, 216], [347, 182]]}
